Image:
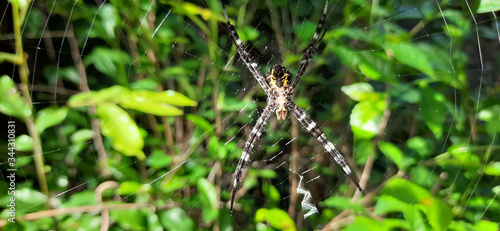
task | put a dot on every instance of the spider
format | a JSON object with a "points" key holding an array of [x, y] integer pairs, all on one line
{"points": [[279, 88]]}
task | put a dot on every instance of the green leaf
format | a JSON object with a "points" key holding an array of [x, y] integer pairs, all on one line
{"points": [[249, 33], [271, 192], [108, 16], [107, 61], [168, 97], [492, 117], [388, 204], [420, 145], [488, 6], [117, 125], [209, 197], [215, 149], [347, 56], [113, 94], [366, 224], [49, 117], [414, 218], [393, 153], [131, 187], [405, 191], [409, 54], [82, 136], [11, 102], [24, 143], [158, 159], [173, 185], [129, 219], [493, 169], [438, 214], [149, 105], [176, 219], [306, 31], [376, 66], [201, 122], [366, 117], [433, 110], [277, 218], [483, 225], [144, 84], [343, 203], [267, 173], [361, 92]]}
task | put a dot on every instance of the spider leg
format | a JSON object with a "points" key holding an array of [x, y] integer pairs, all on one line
{"points": [[311, 49], [255, 135], [247, 58], [317, 133]]}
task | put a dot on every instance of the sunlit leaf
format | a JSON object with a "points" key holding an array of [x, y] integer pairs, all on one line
{"points": [[488, 6], [82, 135], [149, 105], [277, 218], [176, 219], [11, 102], [360, 92], [168, 97], [24, 143], [493, 169], [132, 187], [113, 94], [267, 173], [49, 117], [117, 125], [492, 117], [438, 214], [366, 117], [108, 16]]}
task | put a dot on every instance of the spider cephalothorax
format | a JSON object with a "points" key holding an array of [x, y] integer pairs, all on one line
{"points": [[279, 88], [279, 80], [278, 76]]}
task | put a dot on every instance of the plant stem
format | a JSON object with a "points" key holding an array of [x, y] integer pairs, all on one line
{"points": [[23, 75]]}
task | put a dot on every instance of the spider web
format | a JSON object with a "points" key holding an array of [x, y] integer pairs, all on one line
{"points": [[308, 183]]}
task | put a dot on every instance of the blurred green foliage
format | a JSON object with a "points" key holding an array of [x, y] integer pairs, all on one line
{"points": [[407, 90]]}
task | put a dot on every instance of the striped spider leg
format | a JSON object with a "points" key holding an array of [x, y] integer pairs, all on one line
{"points": [[254, 135], [311, 49], [247, 58], [317, 133], [279, 93]]}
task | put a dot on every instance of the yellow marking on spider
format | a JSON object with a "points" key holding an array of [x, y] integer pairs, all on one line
{"points": [[273, 83], [286, 80]]}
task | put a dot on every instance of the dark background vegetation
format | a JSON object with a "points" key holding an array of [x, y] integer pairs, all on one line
{"points": [[407, 90]]}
